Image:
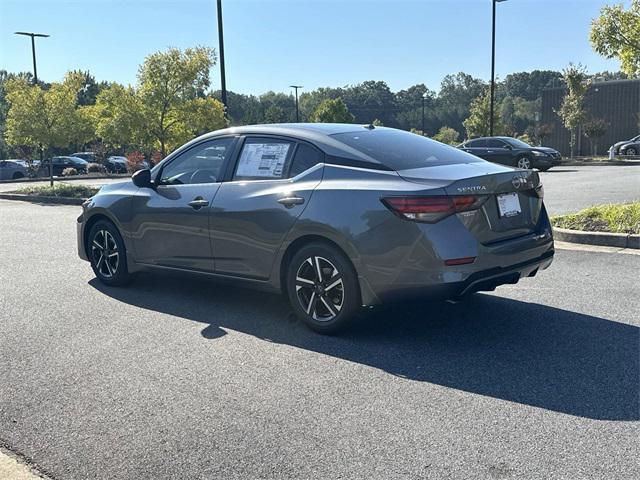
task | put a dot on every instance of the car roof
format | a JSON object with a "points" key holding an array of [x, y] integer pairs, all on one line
{"points": [[319, 134]]}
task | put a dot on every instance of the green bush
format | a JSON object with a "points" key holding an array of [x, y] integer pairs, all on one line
{"points": [[603, 218], [60, 190]]}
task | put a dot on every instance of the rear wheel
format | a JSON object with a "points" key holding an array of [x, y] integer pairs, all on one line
{"points": [[631, 151], [524, 162], [322, 287], [106, 252]]}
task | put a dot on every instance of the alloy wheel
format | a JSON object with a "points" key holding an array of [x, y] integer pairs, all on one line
{"points": [[631, 151], [319, 288], [106, 256], [524, 163]]}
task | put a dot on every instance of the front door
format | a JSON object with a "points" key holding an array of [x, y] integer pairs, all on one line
{"points": [[170, 223], [271, 186]]}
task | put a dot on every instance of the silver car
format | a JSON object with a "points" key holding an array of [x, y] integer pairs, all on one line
{"points": [[335, 216], [13, 169]]}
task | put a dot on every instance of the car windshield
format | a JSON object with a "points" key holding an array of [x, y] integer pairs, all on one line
{"points": [[514, 142], [400, 150]]}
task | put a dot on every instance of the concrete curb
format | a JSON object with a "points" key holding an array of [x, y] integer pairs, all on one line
{"points": [[41, 199], [605, 239], [603, 163], [67, 179]]}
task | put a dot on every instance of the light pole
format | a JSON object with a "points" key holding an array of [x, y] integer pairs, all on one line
{"points": [[493, 64], [297, 111], [223, 81], [424, 97], [35, 82], [33, 50]]}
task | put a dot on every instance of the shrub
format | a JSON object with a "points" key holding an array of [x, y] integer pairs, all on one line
{"points": [[135, 161], [447, 135], [156, 158], [69, 172], [95, 168]]}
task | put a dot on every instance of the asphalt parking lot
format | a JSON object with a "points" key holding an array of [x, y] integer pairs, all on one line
{"points": [[183, 378]]}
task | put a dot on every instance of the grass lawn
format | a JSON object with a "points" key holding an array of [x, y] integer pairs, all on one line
{"points": [[60, 190], [603, 218]]}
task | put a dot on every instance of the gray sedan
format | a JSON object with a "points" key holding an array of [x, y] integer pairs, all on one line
{"points": [[335, 216], [13, 169]]}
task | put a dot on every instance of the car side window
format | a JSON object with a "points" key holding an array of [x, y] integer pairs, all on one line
{"points": [[263, 159], [305, 158], [495, 143], [203, 163], [475, 143]]}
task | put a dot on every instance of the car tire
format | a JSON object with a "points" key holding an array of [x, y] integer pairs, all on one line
{"points": [[524, 162], [107, 254], [324, 301], [631, 151]]}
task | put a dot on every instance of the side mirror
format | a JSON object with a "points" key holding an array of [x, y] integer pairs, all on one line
{"points": [[142, 178]]}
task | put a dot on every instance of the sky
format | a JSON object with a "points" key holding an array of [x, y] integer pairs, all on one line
{"points": [[271, 44]]}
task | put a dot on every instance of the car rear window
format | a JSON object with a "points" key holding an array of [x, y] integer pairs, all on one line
{"points": [[401, 150]]}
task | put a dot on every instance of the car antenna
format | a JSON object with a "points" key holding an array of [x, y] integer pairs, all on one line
{"points": [[371, 126]]}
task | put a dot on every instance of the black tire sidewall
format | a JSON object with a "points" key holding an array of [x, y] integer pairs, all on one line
{"points": [[121, 276], [350, 282]]}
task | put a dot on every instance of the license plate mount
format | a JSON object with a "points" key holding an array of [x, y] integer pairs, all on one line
{"points": [[509, 204]]}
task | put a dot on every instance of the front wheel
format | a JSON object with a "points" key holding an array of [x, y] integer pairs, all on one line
{"points": [[524, 162], [631, 151], [106, 251], [322, 287]]}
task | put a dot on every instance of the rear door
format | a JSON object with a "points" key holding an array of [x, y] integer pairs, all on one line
{"points": [[477, 147], [170, 224], [270, 186]]}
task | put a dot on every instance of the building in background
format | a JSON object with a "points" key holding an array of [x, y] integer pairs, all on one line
{"points": [[617, 102]]}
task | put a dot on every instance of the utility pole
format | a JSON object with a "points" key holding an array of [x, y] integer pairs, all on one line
{"points": [[493, 64], [423, 99], [296, 87], [223, 81]]}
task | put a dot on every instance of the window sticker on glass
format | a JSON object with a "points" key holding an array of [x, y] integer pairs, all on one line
{"points": [[263, 160]]}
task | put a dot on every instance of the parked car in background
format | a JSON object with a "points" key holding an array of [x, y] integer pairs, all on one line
{"points": [[13, 169], [512, 152], [336, 216], [627, 147], [89, 157], [116, 164], [62, 162]]}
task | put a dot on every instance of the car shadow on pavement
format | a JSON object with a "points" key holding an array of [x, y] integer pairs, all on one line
{"points": [[521, 352]]}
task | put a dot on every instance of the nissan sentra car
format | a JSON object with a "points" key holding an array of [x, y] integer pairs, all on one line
{"points": [[335, 216]]}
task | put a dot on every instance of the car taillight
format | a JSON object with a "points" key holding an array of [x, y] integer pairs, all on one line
{"points": [[433, 208]]}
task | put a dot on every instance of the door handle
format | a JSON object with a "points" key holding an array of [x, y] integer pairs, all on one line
{"points": [[289, 202], [198, 203]]}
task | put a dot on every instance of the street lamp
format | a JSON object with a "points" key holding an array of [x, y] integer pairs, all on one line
{"points": [[297, 111], [223, 81], [33, 50], [493, 64]]}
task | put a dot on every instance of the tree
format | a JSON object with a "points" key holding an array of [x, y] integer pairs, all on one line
{"points": [[447, 135], [48, 118], [595, 129], [616, 34], [274, 114], [477, 124], [572, 110], [118, 118], [456, 95], [332, 111], [171, 88], [529, 85]]}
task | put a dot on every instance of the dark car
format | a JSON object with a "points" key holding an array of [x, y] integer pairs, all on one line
{"points": [[116, 164], [87, 156], [62, 162], [512, 152], [336, 216], [628, 147]]}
